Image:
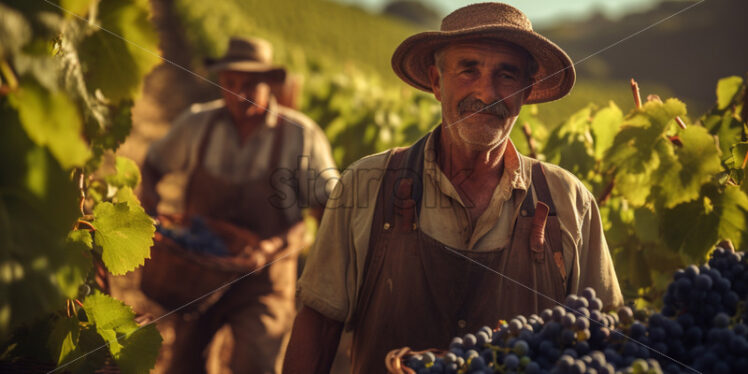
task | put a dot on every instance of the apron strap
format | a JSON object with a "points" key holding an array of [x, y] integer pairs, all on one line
{"points": [[201, 149], [552, 230], [407, 189]]}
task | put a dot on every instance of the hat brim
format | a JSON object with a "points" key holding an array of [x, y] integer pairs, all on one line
{"points": [[273, 71], [554, 79]]}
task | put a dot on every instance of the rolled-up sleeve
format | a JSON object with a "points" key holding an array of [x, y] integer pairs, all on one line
{"points": [[172, 152], [326, 281], [321, 175]]}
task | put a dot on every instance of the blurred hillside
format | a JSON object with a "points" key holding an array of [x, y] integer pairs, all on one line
{"points": [[686, 53], [325, 37]]}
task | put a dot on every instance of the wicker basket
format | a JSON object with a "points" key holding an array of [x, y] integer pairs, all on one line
{"points": [[395, 358], [178, 278]]}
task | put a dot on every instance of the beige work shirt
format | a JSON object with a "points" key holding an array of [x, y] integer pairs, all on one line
{"points": [[333, 273], [306, 173]]}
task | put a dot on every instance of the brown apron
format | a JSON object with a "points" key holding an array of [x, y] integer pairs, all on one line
{"points": [[260, 307], [419, 293]]}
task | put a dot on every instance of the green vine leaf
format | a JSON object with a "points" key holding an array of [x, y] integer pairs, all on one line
{"points": [[605, 126], [124, 232], [74, 272], [727, 89], [51, 120], [134, 348], [113, 65], [127, 173], [684, 170], [63, 341]]}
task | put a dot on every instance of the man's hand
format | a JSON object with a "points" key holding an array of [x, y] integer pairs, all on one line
{"points": [[149, 197]]}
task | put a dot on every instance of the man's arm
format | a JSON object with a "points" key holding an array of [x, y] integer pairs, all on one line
{"points": [[314, 343], [148, 194]]}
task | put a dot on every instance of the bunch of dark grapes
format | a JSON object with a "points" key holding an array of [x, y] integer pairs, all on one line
{"points": [[197, 237], [702, 327]]}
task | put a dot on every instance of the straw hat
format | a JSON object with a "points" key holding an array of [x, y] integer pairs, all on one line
{"points": [[253, 55], [555, 76]]}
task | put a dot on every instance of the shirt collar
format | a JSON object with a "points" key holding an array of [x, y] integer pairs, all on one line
{"points": [[516, 168]]}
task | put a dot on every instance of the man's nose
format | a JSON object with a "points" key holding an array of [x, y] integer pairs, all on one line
{"points": [[488, 89]]}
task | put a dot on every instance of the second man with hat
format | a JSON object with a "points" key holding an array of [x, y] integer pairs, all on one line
{"points": [[253, 165]]}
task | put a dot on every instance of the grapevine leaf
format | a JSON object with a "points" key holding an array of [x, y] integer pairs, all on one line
{"points": [[727, 88], [63, 340], [117, 64], [77, 7], [140, 351], [135, 349], [632, 151], [74, 272], [124, 232], [738, 152], [113, 319], [695, 163], [690, 228], [605, 126], [629, 268], [51, 119], [729, 130], [694, 227], [646, 224], [89, 355], [127, 173], [731, 206], [634, 187], [660, 115], [570, 145], [37, 208]]}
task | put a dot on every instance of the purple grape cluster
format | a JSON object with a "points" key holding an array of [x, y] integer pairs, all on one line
{"points": [[197, 237], [702, 327]]}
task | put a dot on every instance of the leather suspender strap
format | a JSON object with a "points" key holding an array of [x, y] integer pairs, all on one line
{"points": [[277, 149], [552, 228], [408, 164], [206, 138]]}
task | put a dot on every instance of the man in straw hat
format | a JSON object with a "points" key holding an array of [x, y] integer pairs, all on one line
{"points": [[464, 231], [253, 166]]}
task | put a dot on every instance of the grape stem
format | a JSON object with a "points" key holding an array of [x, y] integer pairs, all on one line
{"points": [[637, 95], [607, 192], [7, 73], [530, 140], [89, 226]]}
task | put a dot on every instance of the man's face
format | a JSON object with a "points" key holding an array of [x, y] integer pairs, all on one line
{"points": [[480, 87], [247, 94]]}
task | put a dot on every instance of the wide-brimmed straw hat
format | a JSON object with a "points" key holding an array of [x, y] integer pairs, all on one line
{"points": [[253, 55], [554, 79]]}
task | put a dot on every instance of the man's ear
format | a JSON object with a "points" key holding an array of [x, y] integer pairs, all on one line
{"points": [[435, 80]]}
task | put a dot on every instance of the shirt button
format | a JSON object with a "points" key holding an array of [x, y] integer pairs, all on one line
{"points": [[461, 323]]}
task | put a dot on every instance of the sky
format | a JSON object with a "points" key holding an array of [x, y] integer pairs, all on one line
{"points": [[540, 12]]}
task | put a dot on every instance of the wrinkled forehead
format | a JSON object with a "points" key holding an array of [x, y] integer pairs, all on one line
{"points": [[487, 47]]}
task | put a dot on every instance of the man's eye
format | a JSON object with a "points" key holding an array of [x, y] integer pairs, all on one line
{"points": [[507, 76]]}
